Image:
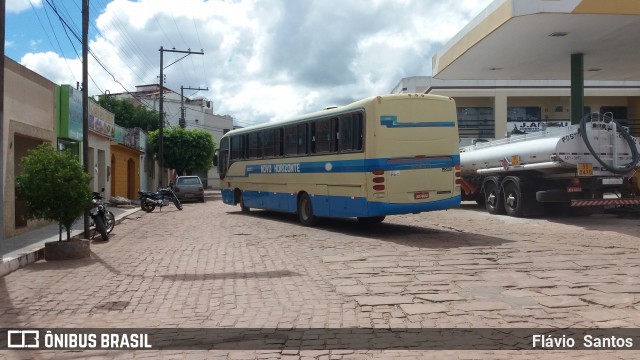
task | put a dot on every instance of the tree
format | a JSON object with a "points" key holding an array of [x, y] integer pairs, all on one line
{"points": [[55, 186], [184, 150], [128, 115]]}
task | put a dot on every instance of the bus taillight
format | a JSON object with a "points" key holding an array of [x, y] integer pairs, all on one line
{"points": [[378, 180], [458, 179]]}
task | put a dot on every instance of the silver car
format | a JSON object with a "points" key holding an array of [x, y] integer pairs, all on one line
{"points": [[189, 188]]}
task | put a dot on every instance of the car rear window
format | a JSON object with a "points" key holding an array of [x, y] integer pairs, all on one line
{"points": [[188, 181]]}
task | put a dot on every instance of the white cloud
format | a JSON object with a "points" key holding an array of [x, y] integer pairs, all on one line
{"points": [[54, 67], [16, 6], [269, 59]]}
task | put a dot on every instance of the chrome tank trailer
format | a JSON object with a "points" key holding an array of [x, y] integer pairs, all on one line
{"points": [[552, 151]]}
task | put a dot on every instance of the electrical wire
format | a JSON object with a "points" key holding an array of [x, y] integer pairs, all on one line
{"points": [[54, 34], [68, 28]]}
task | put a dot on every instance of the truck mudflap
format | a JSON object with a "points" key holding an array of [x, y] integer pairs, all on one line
{"points": [[604, 202]]}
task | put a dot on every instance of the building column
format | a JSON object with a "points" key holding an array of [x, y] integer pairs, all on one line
{"points": [[577, 88], [500, 114]]}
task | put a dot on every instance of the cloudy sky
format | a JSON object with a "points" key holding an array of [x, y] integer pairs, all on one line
{"points": [[264, 59]]}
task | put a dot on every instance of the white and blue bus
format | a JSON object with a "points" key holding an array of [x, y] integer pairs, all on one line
{"points": [[384, 155]]}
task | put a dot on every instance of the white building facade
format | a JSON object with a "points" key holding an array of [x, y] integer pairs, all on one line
{"points": [[494, 109]]}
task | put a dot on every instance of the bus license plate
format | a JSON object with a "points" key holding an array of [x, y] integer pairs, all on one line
{"points": [[421, 195], [585, 169]]}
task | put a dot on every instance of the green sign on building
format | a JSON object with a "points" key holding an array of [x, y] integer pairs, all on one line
{"points": [[70, 113]]}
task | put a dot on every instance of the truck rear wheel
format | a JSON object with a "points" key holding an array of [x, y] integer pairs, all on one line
{"points": [[492, 198], [513, 199]]}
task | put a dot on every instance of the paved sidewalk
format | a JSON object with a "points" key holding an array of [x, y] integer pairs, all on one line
{"points": [[21, 250]]}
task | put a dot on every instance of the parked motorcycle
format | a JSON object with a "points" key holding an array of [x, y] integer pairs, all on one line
{"points": [[149, 200], [102, 220]]}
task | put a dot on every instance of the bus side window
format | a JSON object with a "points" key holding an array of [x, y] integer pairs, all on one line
{"points": [[347, 139], [351, 132], [291, 140], [252, 145], [335, 134], [312, 138], [245, 147], [324, 135], [279, 146], [236, 148], [269, 142], [303, 142], [358, 131]]}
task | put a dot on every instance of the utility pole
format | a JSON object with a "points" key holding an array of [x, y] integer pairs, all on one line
{"points": [[2, 13], [183, 121], [161, 105], [85, 100]]}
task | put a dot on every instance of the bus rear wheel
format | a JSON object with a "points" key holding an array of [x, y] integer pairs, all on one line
{"points": [[240, 200], [305, 211], [244, 208]]}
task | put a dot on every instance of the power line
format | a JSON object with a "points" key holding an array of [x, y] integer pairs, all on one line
{"points": [[67, 27], [162, 29], [54, 34], [71, 42], [95, 57], [127, 44]]}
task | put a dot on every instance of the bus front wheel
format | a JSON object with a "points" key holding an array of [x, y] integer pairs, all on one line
{"points": [[305, 211]]}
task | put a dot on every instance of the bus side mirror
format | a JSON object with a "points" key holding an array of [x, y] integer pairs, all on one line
{"points": [[215, 158]]}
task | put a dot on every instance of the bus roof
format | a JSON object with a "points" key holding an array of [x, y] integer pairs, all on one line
{"points": [[333, 111]]}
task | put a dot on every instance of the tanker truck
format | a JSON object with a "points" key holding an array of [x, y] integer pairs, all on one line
{"points": [[575, 169]]}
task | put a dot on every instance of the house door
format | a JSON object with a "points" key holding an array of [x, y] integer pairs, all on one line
{"points": [[113, 175], [131, 179]]}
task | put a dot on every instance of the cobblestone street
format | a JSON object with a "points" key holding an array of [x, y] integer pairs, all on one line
{"points": [[211, 266]]}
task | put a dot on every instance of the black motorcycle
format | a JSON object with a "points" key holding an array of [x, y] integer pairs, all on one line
{"points": [[149, 200], [102, 220]]}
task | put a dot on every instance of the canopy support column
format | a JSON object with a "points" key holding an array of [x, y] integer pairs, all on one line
{"points": [[577, 88]]}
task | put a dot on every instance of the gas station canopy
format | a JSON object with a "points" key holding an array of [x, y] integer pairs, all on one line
{"points": [[534, 40]]}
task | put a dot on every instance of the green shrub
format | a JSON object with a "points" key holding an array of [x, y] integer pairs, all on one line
{"points": [[55, 186]]}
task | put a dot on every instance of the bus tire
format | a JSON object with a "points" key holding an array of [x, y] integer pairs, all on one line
{"points": [[244, 208], [371, 219], [305, 211]]}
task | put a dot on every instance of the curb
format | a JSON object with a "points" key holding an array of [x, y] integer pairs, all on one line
{"points": [[33, 254]]}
